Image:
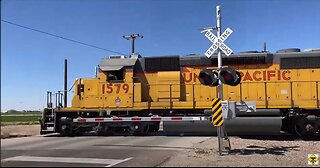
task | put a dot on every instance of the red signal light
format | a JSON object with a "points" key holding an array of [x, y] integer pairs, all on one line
{"points": [[209, 78], [229, 76]]}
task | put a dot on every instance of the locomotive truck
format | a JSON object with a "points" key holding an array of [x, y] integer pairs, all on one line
{"points": [[133, 94]]}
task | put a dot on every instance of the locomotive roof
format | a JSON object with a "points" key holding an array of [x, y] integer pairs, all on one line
{"points": [[116, 64], [174, 62]]}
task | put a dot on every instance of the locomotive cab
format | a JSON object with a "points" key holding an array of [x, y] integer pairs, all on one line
{"points": [[113, 87]]}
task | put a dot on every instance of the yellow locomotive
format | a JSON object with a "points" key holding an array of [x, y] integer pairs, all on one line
{"points": [[146, 89]]}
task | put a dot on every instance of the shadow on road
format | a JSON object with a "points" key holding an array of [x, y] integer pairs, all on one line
{"points": [[280, 137], [252, 149]]}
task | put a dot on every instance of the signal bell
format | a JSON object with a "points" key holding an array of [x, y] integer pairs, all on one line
{"points": [[209, 78], [229, 76]]}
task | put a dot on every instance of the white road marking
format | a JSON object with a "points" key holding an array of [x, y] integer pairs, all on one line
{"points": [[109, 162], [48, 135], [120, 161]]}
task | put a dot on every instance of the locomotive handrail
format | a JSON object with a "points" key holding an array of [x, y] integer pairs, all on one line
{"points": [[58, 97], [317, 91]]}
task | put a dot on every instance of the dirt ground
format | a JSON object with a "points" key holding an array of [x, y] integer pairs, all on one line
{"points": [[10, 131], [246, 152]]}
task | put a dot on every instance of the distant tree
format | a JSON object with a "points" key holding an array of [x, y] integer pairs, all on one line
{"points": [[13, 111]]}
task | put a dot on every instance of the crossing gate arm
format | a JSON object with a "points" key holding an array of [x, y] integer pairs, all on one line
{"points": [[138, 119]]}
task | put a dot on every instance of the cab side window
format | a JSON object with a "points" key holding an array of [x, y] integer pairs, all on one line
{"points": [[115, 76]]}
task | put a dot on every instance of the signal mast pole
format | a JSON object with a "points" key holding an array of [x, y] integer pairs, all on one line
{"points": [[218, 78], [220, 91], [220, 130]]}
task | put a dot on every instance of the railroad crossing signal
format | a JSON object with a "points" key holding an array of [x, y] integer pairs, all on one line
{"points": [[217, 117], [225, 74], [209, 78], [218, 42]]}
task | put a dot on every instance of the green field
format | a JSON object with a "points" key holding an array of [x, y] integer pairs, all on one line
{"points": [[20, 118]]}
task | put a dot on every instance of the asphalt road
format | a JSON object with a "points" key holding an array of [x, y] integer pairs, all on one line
{"points": [[93, 151]]}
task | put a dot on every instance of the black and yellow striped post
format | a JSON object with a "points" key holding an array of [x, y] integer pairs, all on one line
{"points": [[217, 118]]}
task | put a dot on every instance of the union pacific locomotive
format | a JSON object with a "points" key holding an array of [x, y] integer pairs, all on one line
{"points": [[134, 94]]}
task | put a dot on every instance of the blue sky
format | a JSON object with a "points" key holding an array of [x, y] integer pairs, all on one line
{"points": [[32, 63]]}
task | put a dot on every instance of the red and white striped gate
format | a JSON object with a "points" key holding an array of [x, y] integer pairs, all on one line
{"points": [[136, 119]]}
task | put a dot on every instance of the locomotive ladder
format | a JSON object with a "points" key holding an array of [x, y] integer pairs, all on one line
{"points": [[48, 119]]}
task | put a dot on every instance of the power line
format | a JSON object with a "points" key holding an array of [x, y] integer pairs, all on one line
{"points": [[75, 41]]}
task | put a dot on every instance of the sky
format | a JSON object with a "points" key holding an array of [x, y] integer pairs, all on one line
{"points": [[32, 63]]}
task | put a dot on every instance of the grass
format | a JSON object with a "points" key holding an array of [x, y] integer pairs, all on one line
{"points": [[20, 118], [22, 114], [20, 123]]}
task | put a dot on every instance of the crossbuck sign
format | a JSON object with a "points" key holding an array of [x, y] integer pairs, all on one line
{"points": [[218, 42]]}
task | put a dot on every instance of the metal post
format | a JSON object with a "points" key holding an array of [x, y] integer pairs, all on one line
{"points": [[220, 90], [49, 99], [132, 49], [65, 82], [56, 100], [219, 140], [59, 99]]}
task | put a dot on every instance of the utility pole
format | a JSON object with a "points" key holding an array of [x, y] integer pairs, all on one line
{"points": [[133, 37], [65, 82]]}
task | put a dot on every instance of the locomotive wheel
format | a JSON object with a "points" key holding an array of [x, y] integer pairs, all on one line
{"points": [[139, 129], [153, 129], [135, 129], [144, 130], [104, 131], [66, 130], [304, 128]]}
